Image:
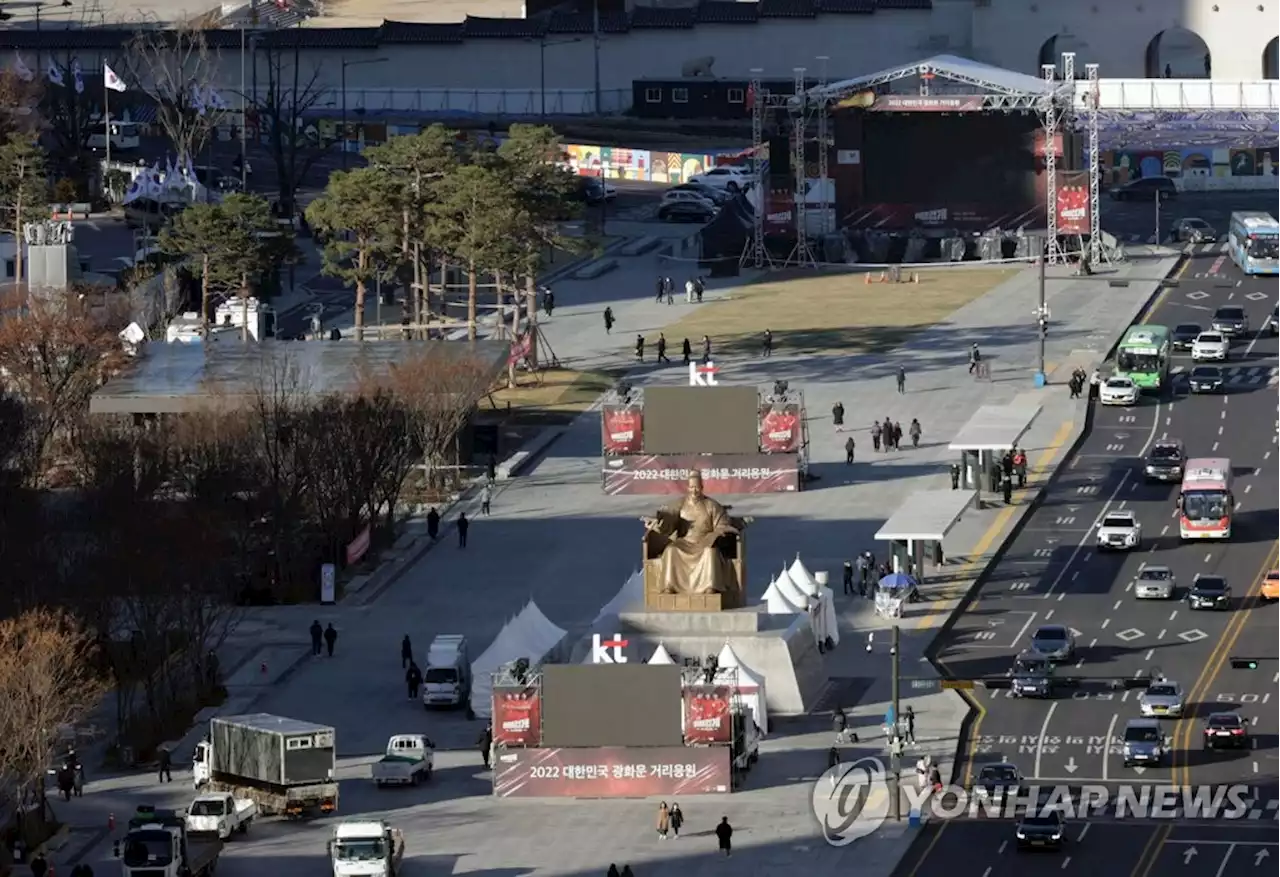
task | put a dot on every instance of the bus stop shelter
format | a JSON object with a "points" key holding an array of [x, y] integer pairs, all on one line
{"points": [[990, 432], [916, 530]]}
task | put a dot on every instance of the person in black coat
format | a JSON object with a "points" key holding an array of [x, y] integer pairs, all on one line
{"points": [[724, 834], [330, 638], [433, 523], [406, 652], [413, 680], [463, 526]]}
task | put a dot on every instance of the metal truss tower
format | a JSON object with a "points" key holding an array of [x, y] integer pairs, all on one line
{"points": [[755, 253], [802, 254], [1097, 253], [1055, 117], [824, 148]]}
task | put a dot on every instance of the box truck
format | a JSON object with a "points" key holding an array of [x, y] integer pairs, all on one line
{"points": [[447, 681], [285, 766]]}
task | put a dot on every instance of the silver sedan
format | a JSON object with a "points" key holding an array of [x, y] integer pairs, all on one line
{"points": [[1163, 698], [1154, 583]]}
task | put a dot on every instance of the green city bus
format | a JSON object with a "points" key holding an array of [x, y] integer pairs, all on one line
{"points": [[1143, 356]]}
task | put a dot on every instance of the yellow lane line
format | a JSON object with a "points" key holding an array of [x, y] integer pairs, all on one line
{"points": [[1155, 844]]}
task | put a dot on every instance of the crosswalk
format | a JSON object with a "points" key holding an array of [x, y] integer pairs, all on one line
{"points": [[1241, 375]]}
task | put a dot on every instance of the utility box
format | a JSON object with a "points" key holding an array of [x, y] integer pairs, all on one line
{"points": [[272, 750]]}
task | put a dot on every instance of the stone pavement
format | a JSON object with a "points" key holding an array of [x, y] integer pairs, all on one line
{"points": [[556, 538]]}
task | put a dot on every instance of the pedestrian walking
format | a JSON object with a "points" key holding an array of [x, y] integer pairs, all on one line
{"points": [[668, 290], [724, 834], [39, 865], [433, 523], [662, 349], [662, 288], [77, 776], [848, 577], [699, 287], [485, 744], [608, 321], [897, 436], [837, 416], [766, 344], [664, 821], [406, 652], [1020, 466], [677, 819], [1095, 381], [317, 637], [864, 570], [1006, 489], [849, 447], [330, 638], [689, 289], [839, 723], [548, 301], [955, 476], [639, 348], [491, 469], [612, 872], [915, 432], [975, 357], [626, 871], [164, 765], [1006, 462], [686, 350], [902, 380], [875, 434], [910, 716], [463, 526], [413, 680], [706, 349], [486, 499]]}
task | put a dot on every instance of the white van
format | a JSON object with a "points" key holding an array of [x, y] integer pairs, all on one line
{"points": [[447, 679]]}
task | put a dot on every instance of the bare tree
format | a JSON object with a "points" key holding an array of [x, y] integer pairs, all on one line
{"points": [[283, 108], [176, 68]]}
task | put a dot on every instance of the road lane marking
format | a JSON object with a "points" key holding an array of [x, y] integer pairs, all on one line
{"points": [[987, 873], [933, 842], [1231, 848], [1105, 622], [1048, 615], [1106, 746], [1118, 604], [1173, 615], [1162, 632], [1149, 654], [1044, 732], [1004, 845], [1084, 831], [1151, 851], [1067, 861]]}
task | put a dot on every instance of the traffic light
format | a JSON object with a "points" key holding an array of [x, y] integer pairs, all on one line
{"points": [[1244, 663]]}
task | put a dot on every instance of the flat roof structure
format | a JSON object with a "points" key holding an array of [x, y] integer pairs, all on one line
{"points": [[181, 378], [927, 515], [996, 427]]}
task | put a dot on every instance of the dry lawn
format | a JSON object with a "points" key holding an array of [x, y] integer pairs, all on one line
{"points": [[834, 313], [562, 393]]}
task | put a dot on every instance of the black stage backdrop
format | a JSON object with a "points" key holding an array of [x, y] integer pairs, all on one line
{"points": [[611, 705]]}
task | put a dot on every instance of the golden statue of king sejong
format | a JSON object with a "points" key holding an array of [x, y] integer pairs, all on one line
{"points": [[694, 544]]}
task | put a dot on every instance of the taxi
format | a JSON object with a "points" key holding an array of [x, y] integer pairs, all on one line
{"points": [[1271, 586]]}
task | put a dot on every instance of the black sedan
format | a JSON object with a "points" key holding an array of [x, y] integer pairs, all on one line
{"points": [[1209, 592], [686, 211], [1041, 831], [1226, 731], [1206, 379], [1185, 334]]}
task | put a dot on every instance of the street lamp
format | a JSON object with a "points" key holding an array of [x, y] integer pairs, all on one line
{"points": [[345, 65], [543, 43]]}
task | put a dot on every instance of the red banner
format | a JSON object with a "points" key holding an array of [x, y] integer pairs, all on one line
{"points": [[622, 430], [707, 716], [722, 474], [779, 430], [905, 103], [517, 716], [358, 547], [1073, 203], [779, 212], [612, 772], [521, 348]]}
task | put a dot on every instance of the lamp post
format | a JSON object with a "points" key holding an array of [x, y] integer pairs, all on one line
{"points": [[345, 65], [543, 43]]}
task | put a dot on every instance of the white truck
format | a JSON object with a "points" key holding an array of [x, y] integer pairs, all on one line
{"points": [[220, 816], [447, 680], [409, 760], [366, 849], [157, 845]]}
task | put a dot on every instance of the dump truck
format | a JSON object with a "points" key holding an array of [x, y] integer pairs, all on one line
{"points": [[366, 849], [157, 845], [285, 766], [409, 760]]}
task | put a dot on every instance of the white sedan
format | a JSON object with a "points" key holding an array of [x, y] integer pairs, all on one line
{"points": [[1210, 346], [1118, 391], [732, 177]]}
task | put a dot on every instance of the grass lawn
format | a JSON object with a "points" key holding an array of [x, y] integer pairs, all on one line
{"points": [[813, 313], [562, 393]]}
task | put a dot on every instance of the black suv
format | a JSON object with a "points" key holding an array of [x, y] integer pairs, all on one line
{"points": [[1146, 189], [1164, 461], [1185, 334], [1230, 320], [1041, 831]]}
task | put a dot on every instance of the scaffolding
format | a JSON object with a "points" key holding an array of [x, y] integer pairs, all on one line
{"points": [[1055, 120], [1097, 253], [756, 253], [824, 148], [801, 254]]}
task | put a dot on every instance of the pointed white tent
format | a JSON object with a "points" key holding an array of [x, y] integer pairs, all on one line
{"points": [[802, 577], [629, 596], [790, 591], [749, 685], [775, 603], [660, 656], [529, 635]]}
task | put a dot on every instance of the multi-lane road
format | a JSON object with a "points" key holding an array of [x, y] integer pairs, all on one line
{"points": [[1052, 574]]}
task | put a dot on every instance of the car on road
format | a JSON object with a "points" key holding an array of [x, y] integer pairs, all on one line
{"points": [[998, 782], [1154, 582], [715, 196], [1231, 321], [1144, 743], [1163, 698], [1225, 731], [1184, 335], [1165, 460], [1146, 189], [687, 211], [733, 177], [1120, 531], [1209, 592], [685, 196], [1193, 229], [1206, 379], [594, 190], [1118, 391], [1271, 586], [1210, 346], [1043, 830], [1032, 676], [1054, 643]]}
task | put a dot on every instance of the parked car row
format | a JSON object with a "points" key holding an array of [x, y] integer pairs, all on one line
{"points": [[698, 199]]}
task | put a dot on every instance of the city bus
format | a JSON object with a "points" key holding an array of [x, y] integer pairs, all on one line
{"points": [[1143, 356], [1254, 242], [1206, 504]]}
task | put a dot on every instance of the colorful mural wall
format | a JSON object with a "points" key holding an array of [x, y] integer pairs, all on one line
{"points": [[621, 163], [1121, 166]]}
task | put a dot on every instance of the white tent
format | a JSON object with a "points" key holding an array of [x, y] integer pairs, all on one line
{"points": [[660, 656], [775, 603], [749, 685], [629, 596], [790, 591], [529, 635], [802, 577], [821, 604]]}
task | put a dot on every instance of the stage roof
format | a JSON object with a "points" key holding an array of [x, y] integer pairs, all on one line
{"points": [[951, 67]]}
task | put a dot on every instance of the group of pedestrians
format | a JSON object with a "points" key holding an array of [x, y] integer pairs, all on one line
{"points": [[694, 288], [1011, 468], [887, 435], [1079, 377], [862, 572], [686, 349]]}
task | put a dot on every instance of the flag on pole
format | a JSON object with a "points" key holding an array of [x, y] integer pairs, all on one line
{"points": [[54, 74], [21, 70], [77, 75], [112, 81]]}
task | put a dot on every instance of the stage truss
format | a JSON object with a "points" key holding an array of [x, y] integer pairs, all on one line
{"points": [[1055, 105]]}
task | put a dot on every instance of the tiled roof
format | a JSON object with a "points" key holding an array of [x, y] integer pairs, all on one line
{"points": [[904, 4], [650, 17], [846, 7], [503, 28], [727, 12], [408, 32], [787, 9]]}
